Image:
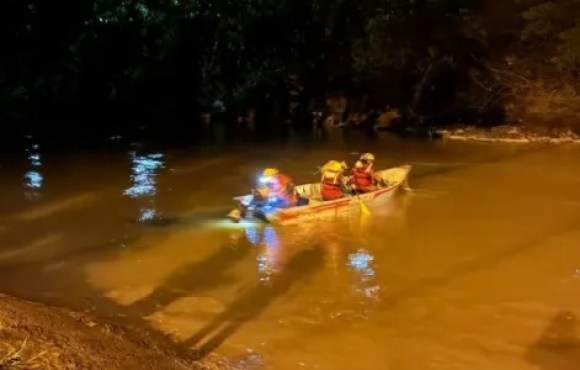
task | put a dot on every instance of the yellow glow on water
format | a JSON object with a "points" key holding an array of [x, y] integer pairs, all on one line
{"points": [[334, 252], [224, 224]]}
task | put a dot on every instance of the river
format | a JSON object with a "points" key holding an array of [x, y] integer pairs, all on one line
{"points": [[477, 268]]}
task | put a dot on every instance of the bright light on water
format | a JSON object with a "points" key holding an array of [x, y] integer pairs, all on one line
{"points": [[147, 215], [35, 159], [143, 178], [267, 259], [253, 235], [271, 237], [144, 175], [34, 179], [360, 263], [263, 267]]}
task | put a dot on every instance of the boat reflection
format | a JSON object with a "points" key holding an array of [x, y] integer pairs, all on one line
{"points": [[253, 235], [145, 169], [270, 256], [34, 179]]}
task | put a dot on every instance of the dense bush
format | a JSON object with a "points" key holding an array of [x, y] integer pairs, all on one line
{"points": [[108, 65]]}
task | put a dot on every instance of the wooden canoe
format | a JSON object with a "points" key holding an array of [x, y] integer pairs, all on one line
{"points": [[395, 179]]}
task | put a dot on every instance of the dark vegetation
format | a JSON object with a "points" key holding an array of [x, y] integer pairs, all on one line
{"points": [[98, 68]]}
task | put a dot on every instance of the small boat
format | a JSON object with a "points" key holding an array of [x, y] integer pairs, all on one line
{"points": [[395, 178]]}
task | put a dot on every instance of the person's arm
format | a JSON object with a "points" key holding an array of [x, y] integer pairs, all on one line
{"points": [[262, 193], [345, 179]]}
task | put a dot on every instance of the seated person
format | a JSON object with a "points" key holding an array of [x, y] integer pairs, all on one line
{"points": [[364, 178], [333, 180], [274, 189]]}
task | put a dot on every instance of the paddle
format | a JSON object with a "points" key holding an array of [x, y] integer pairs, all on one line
{"points": [[365, 211]]}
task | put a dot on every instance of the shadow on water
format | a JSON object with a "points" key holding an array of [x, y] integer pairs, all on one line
{"points": [[558, 347], [488, 160], [254, 301], [194, 277], [483, 263]]}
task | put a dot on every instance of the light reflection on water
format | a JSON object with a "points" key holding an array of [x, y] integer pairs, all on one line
{"points": [[253, 235], [34, 179], [360, 263], [145, 169], [268, 259]]}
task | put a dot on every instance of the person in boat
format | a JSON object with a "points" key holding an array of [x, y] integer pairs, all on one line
{"points": [[274, 189], [364, 178], [334, 181]]}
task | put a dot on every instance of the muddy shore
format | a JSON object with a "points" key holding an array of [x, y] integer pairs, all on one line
{"points": [[511, 134], [36, 336]]}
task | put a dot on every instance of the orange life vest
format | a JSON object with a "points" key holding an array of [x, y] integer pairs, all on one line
{"points": [[362, 178], [331, 186]]}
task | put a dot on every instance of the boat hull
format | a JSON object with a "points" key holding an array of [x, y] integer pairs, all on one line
{"points": [[396, 178]]}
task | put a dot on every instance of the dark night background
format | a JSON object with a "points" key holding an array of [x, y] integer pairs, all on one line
{"points": [[83, 71]]}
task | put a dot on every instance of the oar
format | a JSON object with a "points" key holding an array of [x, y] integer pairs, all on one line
{"points": [[365, 211], [363, 207]]}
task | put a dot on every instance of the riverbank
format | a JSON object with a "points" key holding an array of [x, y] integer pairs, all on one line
{"points": [[36, 336], [511, 134]]}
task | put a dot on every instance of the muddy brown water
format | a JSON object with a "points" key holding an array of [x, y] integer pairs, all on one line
{"points": [[477, 268]]}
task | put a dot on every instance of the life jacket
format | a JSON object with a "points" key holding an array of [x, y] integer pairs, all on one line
{"points": [[331, 185], [362, 177]]}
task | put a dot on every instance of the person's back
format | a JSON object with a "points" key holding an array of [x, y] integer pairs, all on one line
{"points": [[332, 180]]}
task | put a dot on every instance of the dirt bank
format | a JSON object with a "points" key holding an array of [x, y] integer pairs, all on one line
{"points": [[35, 336]]}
